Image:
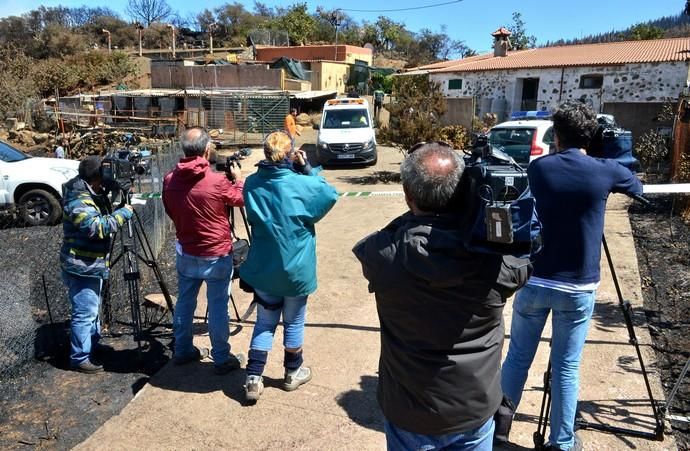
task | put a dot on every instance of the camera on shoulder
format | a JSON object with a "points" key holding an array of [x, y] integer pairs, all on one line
{"points": [[498, 210]]}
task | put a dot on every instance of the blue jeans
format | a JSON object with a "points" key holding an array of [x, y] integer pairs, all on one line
{"points": [[85, 297], [294, 313], [570, 322], [217, 273], [479, 439]]}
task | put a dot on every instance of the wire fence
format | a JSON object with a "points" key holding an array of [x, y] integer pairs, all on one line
{"points": [[33, 298]]}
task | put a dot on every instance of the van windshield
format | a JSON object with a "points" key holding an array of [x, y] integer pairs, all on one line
{"points": [[353, 118]]}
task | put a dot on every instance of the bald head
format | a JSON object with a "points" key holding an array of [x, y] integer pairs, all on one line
{"points": [[194, 141], [430, 177]]}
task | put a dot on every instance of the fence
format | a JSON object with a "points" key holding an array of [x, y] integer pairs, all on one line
{"points": [[33, 299]]}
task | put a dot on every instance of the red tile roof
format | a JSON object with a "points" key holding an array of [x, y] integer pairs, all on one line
{"points": [[605, 54]]}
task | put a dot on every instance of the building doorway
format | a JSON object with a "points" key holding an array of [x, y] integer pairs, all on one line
{"points": [[530, 92]]}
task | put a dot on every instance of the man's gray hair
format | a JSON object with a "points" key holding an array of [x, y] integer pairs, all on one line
{"points": [[430, 177], [194, 141]]}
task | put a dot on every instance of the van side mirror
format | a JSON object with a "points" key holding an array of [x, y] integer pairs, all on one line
{"points": [[316, 126]]}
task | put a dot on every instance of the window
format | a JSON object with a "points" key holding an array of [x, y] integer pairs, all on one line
{"points": [[548, 137], [591, 81], [455, 84], [9, 154]]}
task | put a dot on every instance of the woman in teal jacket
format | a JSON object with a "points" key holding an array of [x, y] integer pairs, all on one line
{"points": [[284, 200]]}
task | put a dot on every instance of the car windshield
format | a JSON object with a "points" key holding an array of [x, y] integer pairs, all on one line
{"points": [[353, 118], [516, 142], [9, 154]]}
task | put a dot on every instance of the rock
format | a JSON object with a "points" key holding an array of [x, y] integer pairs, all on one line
{"points": [[40, 138], [26, 139], [11, 124], [4, 135], [303, 119]]}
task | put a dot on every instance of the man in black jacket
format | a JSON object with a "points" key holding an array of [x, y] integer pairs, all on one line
{"points": [[440, 309]]}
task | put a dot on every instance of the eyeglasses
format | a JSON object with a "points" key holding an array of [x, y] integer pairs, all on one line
{"points": [[421, 144]]}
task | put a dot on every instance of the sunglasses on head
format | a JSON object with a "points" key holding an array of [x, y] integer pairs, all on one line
{"points": [[425, 143]]}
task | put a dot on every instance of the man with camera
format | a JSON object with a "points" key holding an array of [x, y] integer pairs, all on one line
{"points": [[440, 308], [571, 190], [197, 200], [88, 222]]}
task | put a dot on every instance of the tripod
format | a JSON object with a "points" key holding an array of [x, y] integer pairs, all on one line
{"points": [[130, 255], [658, 434]]}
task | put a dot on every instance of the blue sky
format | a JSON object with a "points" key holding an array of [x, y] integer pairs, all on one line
{"points": [[469, 20]]}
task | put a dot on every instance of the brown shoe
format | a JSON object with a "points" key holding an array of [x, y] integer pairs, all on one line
{"points": [[198, 354], [88, 367], [235, 362]]}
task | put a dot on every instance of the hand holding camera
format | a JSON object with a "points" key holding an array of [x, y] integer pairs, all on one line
{"points": [[299, 156]]}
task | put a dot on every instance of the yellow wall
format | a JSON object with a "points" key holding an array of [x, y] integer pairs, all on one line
{"points": [[326, 76], [353, 57]]}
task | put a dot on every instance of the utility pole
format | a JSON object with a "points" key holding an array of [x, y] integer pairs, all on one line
{"points": [[140, 31], [172, 28], [335, 21], [211, 27], [108, 33]]}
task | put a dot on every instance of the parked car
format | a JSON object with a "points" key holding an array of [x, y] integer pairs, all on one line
{"points": [[346, 133], [531, 136], [524, 140], [31, 187]]}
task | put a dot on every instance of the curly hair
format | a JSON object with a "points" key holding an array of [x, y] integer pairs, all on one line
{"points": [[277, 146], [574, 123]]}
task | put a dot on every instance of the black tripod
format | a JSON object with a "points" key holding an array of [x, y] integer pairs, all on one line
{"points": [[658, 433], [132, 237]]}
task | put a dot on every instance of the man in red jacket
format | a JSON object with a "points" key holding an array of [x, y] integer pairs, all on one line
{"points": [[197, 200]]}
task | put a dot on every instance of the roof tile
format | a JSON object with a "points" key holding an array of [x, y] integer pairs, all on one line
{"points": [[603, 54]]}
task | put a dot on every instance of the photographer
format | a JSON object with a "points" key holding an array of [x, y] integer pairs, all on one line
{"points": [[88, 222], [440, 309], [285, 198], [197, 201], [571, 190]]}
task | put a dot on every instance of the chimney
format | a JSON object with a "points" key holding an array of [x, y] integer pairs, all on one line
{"points": [[501, 41]]}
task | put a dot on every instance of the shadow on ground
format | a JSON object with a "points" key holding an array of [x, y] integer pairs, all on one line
{"points": [[361, 405]]}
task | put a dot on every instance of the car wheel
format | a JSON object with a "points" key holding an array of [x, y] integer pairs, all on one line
{"points": [[38, 207]]}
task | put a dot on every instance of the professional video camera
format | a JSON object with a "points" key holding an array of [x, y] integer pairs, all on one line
{"points": [[120, 168], [611, 141], [233, 159], [117, 173], [498, 209]]}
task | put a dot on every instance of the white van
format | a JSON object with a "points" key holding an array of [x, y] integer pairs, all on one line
{"points": [[346, 133]]}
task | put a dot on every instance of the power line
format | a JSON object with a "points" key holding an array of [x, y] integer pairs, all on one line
{"points": [[398, 9]]}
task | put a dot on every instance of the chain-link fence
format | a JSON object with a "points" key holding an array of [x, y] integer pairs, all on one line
{"points": [[33, 300], [277, 38]]}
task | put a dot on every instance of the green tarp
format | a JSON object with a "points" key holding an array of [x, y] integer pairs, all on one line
{"points": [[294, 68]]}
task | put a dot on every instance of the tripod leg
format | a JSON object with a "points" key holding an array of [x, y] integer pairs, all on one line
{"points": [[234, 306], [149, 259], [539, 437]]}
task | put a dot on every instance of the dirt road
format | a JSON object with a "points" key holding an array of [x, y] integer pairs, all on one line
{"points": [[191, 408]]}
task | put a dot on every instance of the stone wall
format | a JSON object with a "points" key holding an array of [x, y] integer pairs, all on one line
{"points": [[500, 91]]}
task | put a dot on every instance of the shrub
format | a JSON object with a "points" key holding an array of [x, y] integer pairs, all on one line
{"points": [[651, 148]]}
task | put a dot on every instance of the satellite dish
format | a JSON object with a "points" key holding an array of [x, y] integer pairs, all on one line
{"points": [[369, 46]]}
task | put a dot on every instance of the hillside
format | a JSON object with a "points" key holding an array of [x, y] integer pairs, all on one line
{"points": [[674, 26]]}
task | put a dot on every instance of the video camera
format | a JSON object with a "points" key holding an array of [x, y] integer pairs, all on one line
{"points": [[120, 168], [499, 213], [233, 159]]}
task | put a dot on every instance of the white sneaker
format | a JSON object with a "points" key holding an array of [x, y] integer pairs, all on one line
{"points": [[253, 388], [293, 379]]}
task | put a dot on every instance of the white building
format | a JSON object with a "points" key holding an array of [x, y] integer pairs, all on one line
{"points": [[629, 79]]}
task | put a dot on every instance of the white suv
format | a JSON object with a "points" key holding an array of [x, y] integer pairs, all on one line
{"points": [[524, 140], [31, 186]]}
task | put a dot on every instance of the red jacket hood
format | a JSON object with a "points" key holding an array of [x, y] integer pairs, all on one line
{"points": [[190, 168]]}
